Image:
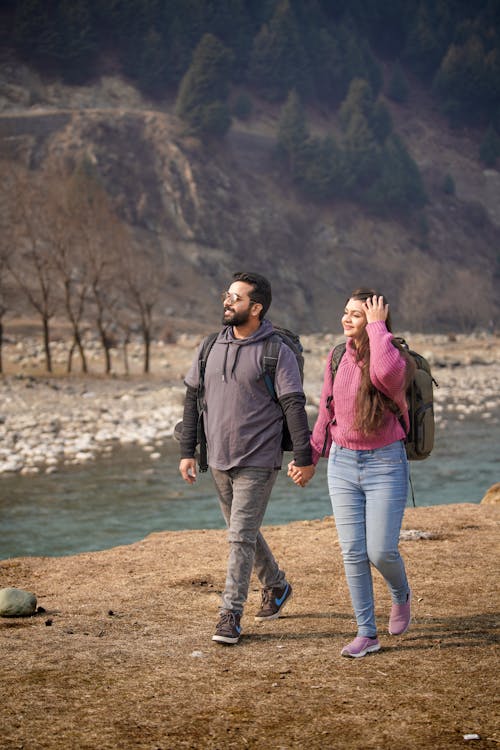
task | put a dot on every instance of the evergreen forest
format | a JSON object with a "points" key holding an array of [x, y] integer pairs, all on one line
{"points": [[317, 47], [214, 58]]}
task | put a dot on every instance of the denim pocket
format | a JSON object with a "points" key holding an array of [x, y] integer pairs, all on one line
{"points": [[390, 455]]}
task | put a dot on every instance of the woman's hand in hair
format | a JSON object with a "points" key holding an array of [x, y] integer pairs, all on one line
{"points": [[375, 309]]}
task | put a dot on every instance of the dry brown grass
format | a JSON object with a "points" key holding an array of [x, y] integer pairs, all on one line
{"points": [[117, 667]]}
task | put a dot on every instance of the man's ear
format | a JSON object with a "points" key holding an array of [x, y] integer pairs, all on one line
{"points": [[256, 309]]}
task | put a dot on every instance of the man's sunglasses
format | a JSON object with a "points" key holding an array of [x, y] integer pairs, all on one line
{"points": [[233, 297]]}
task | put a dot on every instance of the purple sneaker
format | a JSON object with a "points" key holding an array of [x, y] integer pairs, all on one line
{"points": [[361, 646], [399, 621]]}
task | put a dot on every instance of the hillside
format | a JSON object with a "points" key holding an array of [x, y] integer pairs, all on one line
{"points": [[208, 209]]}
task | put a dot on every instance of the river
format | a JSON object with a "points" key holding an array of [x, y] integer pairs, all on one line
{"points": [[125, 496]]}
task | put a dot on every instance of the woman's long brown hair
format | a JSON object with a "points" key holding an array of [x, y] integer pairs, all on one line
{"points": [[371, 404]]}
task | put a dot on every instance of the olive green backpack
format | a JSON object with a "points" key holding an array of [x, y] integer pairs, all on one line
{"points": [[419, 440]]}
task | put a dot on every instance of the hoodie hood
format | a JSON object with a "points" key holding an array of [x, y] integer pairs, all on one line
{"points": [[227, 338]]}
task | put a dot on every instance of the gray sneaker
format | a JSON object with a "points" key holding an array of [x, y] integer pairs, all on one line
{"points": [[228, 629], [273, 601]]}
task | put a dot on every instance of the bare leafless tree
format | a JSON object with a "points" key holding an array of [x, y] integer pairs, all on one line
{"points": [[143, 283], [468, 297], [99, 239], [102, 237], [69, 265], [30, 262]]}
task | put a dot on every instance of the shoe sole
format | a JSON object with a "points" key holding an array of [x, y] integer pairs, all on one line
{"points": [[276, 614], [225, 639], [369, 650]]}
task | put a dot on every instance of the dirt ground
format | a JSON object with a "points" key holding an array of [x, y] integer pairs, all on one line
{"points": [[122, 657]]}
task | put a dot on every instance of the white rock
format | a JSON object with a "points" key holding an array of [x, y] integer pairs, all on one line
{"points": [[17, 603], [84, 456]]}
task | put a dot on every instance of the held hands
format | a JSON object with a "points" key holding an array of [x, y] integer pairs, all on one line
{"points": [[187, 468], [375, 309], [300, 475]]}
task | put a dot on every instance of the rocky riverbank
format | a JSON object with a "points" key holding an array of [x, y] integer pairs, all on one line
{"points": [[49, 422]]}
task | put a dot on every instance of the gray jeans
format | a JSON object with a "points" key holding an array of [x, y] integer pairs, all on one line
{"points": [[243, 495]]}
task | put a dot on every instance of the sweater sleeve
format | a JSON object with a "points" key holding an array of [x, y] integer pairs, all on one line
{"points": [[321, 440], [387, 364]]}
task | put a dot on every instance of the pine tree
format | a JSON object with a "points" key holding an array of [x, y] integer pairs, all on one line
{"points": [[362, 154], [292, 128], [230, 22], [202, 98], [489, 150], [380, 121], [76, 40], [424, 47], [358, 61], [399, 186], [468, 80], [320, 169], [398, 88], [327, 69], [278, 62], [152, 66], [34, 29], [359, 101]]}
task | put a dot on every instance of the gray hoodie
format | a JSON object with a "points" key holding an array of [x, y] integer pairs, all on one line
{"points": [[243, 424]]}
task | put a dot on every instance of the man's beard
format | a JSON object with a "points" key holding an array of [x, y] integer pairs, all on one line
{"points": [[236, 319]]}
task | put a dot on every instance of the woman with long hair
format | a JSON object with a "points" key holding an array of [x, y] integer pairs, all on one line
{"points": [[359, 427]]}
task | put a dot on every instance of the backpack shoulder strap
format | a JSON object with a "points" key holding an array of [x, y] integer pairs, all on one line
{"points": [[269, 362], [205, 350], [337, 354]]}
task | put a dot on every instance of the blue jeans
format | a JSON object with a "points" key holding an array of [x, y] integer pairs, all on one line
{"points": [[368, 490], [243, 496]]}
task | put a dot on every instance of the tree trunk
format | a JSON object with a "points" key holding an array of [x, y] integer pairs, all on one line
{"points": [[81, 351], [105, 345], [46, 343], [69, 365], [125, 357], [147, 349], [107, 357], [1, 347]]}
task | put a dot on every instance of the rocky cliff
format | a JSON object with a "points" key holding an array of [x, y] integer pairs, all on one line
{"points": [[211, 209]]}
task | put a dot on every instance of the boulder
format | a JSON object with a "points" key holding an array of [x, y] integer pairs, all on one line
{"points": [[492, 496], [17, 603]]}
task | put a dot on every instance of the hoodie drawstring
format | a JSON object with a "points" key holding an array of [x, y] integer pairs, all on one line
{"points": [[233, 368], [224, 379]]}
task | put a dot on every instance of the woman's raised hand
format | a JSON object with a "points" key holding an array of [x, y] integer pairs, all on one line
{"points": [[375, 309]]}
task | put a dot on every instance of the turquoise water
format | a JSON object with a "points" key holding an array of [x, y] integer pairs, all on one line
{"points": [[122, 498]]}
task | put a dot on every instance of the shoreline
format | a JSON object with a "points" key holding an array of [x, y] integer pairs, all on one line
{"points": [[51, 421]]}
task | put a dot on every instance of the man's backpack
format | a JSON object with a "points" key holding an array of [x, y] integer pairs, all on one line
{"points": [[420, 398], [269, 361], [270, 354]]}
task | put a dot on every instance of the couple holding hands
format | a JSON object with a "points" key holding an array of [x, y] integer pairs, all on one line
{"points": [[357, 429]]}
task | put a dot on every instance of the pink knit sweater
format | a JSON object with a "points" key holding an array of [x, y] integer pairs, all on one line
{"points": [[387, 373]]}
